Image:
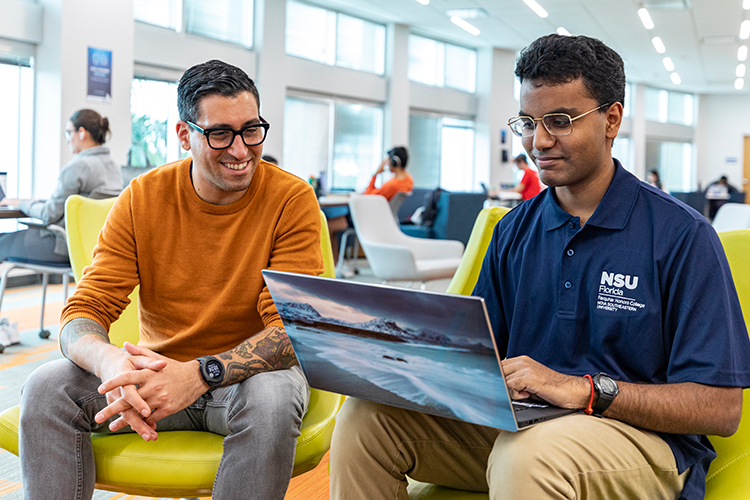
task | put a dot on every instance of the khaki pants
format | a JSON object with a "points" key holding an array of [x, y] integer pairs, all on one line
{"points": [[573, 457]]}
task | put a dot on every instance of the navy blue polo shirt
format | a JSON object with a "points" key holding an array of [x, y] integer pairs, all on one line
{"points": [[643, 292]]}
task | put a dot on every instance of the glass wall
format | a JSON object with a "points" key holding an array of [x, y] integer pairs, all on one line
{"points": [[16, 127], [674, 162], [441, 152], [669, 107], [339, 141], [153, 109], [442, 64], [335, 39], [164, 13]]}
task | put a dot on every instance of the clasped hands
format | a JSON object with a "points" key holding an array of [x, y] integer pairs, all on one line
{"points": [[143, 387], [526, 377]]}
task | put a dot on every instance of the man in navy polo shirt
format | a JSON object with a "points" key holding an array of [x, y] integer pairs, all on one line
{"points": [[600, 287]]}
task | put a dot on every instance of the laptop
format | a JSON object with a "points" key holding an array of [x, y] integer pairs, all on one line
{"points": [[423, 351]]}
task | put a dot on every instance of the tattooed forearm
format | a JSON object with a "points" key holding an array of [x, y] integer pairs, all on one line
{"points": [[78, 328], [267, 351]]}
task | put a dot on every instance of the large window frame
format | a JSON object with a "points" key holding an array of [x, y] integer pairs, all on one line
{"points": [[192, 16], [331, 158], [332, 47]]}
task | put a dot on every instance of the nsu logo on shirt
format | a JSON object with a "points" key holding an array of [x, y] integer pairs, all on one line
{"points": [[612, 293]]}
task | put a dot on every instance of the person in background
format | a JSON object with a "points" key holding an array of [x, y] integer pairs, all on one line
{"points": [[213, 354], [401, 181], [653, 179], [529, 185], [717, 194], [91, 173]]}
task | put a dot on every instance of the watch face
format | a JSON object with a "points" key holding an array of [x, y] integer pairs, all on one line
{"points": [[213, 368], [608, 385]]}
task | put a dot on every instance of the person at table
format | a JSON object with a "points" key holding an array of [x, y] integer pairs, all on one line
{"points": [[606, 296], [213, 354], [401, 181], [91, 173], [529, 185]]}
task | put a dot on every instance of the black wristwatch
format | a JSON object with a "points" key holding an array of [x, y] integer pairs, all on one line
{"points": [[212, 371], [606, 391]]}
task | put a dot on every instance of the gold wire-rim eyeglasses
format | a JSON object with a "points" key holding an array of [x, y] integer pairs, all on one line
{"points": [[557, 130]]}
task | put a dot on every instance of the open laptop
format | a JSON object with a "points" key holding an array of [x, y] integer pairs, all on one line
{"points": [[423, 351]]}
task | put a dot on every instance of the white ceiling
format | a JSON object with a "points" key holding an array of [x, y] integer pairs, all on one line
{"points": [[701, 36]]}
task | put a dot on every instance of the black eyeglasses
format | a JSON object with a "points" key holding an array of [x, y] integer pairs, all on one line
{"points": [[222, 138]]}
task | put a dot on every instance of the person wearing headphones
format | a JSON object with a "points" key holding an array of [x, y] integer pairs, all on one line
{"points": [[401, 181]]}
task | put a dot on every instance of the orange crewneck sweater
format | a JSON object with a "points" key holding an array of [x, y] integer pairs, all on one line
{"points": [[198, 264]]}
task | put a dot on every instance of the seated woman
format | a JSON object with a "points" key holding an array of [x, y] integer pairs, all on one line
{"points": [[91, 173], [401, 181]]}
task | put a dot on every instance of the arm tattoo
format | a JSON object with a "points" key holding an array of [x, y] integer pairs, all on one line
{"points": [[76, 329], [267, 351]]}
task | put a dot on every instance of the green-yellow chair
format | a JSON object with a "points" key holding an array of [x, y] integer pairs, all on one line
{"points": [[463, 283], [729, 475], [179, 463]]}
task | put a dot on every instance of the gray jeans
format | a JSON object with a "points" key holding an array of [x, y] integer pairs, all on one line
{"points": [[260, 418]]}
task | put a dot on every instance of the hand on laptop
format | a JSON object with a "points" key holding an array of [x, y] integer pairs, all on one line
{"points": [[526, 377]]}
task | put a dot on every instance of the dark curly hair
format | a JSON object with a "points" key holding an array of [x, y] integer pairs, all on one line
{"points": [[558, 59], [209, 78]]}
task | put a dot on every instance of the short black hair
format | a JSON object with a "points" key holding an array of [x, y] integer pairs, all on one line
{"points": [[558, 59], [521, 157], [209, 78], [399, 156]]}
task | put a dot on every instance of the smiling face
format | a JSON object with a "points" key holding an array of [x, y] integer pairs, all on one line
{"points": [[222, 176], [582, 158]]}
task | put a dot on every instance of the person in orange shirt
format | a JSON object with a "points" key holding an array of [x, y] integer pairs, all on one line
{"points": [[529, 185], [401, 181]]}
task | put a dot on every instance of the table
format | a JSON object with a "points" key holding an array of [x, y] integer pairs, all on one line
{"points": [[11, 213]]}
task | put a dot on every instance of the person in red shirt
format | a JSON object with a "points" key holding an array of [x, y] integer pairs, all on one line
{"points": [[401, 181], [529, 185]]}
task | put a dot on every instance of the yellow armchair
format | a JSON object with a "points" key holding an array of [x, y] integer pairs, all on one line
{"points": [[180, 463]]}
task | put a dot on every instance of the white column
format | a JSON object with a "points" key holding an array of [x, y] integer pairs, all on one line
{"points": [[495, 104], [61, 65], [396, 73], [270, 29], [638, 130]]}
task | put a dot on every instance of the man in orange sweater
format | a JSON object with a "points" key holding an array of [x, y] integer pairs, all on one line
{"points": [[213, 354]]}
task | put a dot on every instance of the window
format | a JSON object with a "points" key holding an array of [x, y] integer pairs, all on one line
{"points": [[334, 39], [164, 13], [16, 127], [673, 161], [153, 109], [339, 141], [442, 64], [441, 152], [669, 107], [227, 20]]}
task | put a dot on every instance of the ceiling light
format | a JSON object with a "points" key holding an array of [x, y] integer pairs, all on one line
{"points": [[739, 83], [562, 31], [538, 10], [740, 71], [675, 78], [745, 29], [646, 18], [746, 4], [465, 25], [658, 45], [424, 2], [668, 64], [742, 53]]}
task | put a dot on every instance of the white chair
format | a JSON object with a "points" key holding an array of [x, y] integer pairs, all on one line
{"points": [[732, 216], [341, 269], [392, 254]]}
